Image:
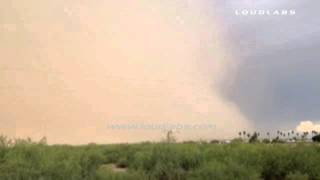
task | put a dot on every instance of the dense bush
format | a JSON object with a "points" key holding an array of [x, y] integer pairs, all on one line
{"points": [[26, 160], [316, 138]]}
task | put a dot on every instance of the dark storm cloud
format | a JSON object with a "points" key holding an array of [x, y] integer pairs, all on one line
{"points": [[278, 80]]}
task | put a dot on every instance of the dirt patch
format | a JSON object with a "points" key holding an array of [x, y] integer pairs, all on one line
{"points": [[114, 168]]}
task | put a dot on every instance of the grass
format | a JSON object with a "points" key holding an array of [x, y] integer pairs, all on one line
{"points": [[26, 160]]}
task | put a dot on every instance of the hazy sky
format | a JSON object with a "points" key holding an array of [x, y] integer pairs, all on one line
{"points": [[70, 69]]}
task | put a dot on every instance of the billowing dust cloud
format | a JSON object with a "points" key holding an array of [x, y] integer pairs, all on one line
{"points": [[69, 69]]}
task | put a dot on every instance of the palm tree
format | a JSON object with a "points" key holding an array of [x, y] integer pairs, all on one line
{"points": [[314, 133], [170, 137], [281, 134], [304, 135]]}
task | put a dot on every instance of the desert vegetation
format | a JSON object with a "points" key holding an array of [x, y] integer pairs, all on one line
{"points": [[250, 158]]}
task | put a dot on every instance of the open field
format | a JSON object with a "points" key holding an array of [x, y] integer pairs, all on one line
{"points": [[26, 160]]}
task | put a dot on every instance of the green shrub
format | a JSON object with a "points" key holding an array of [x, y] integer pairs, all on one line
{"points": [[27, 160], [297, 176]]}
